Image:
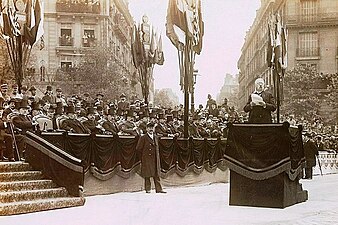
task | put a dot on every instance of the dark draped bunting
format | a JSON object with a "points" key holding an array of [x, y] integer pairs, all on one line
{"points": [[263, 151], [106, 155]]}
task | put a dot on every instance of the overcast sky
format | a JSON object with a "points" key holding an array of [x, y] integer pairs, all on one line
{"points": [[226, 22]]}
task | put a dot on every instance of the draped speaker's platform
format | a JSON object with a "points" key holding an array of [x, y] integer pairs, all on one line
{"points": [[266, 163]]}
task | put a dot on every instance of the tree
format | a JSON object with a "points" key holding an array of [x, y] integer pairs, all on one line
{"points": [[300, 97], [165, 98], [98, 72]]}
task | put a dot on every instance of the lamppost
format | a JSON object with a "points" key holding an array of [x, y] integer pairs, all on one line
{"points": [[195, 74]]}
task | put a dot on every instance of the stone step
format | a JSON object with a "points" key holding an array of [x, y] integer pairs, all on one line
{"points": [[26, 185], [28, 195], [20, 176], [15, 208], [14, 167]]}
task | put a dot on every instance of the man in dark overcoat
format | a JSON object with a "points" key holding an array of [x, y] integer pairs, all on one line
{"points": [[261, 106], [148, 149], [310, 152], [71, 124]]}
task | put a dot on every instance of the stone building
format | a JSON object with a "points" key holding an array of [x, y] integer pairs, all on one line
{"points": [[312, 40], [73, 27]]}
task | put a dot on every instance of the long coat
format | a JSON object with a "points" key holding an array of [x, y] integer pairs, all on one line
{"points": [[259, 114], [310, 152], [150, 157]]}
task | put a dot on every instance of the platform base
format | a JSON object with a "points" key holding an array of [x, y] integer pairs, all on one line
{"points": [[275, 192]]}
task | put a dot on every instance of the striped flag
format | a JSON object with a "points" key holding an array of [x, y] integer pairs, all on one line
{"points": [[176, 25], [184, 18]]}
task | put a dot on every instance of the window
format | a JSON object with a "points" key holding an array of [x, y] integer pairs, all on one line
{"points": [[308, 44], [88, 38], [66, 66], [66, 37], [308, 10]]}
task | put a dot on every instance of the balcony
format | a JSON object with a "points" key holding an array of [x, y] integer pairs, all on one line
{"points": [[72, 6], [308, 53], [66, 41], [312, 19]]}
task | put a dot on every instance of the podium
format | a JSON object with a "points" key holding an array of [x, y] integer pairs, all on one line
{"points": [[266, 162]]}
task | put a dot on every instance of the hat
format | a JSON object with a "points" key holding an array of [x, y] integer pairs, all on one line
{"points": [[150, 124], [32, 88], [123, 95], [169, 118], [36, 106], [99, 94], [130, 113], [49, 88], [58, 89], [23, 104], [90, 110], [111, 111], [4, 86], [86, 94], [99, 108], [161, 116], [70, 109]]}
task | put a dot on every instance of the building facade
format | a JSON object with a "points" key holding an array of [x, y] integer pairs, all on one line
{"points": [[229, 90], [312, 40], [72, 28]]}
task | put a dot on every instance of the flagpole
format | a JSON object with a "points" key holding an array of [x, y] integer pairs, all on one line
{"points": [[186, 86]]}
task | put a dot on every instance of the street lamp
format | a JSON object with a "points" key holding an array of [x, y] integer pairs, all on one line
{"points": [[195, 74]]}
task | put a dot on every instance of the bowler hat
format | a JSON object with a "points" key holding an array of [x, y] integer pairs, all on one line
{"points": [[49, 88], [123, 95], [23, 104], [90, 110], [150, 124], [70, 109]]}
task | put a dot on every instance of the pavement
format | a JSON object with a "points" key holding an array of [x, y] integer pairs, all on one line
{"points": [[191, 205]]}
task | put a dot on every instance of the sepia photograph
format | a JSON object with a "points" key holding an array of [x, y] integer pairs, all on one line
{"points": [[168, 112]]}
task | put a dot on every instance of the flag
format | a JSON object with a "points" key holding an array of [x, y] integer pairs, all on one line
{"points": [[137, 47], [284, 37], [269, 56], [176, 26], [198, 30], [7, 30], [34, 21]]}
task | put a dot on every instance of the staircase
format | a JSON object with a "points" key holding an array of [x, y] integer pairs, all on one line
{"points": [[23, 191]]}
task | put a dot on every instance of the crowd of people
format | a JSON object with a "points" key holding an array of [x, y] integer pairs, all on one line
{"points": [[86, 114]]}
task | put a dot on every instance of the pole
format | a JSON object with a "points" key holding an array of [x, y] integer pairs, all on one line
{"points": [[186, 86], [193, 99], [276, 90], [320, 166]]}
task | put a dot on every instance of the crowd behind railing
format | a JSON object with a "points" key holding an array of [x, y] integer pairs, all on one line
{"points": [[86, 114]]}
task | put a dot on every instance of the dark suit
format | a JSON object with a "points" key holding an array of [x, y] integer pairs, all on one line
{"points": [[162, 130], [150, 160], [91, 125], [75, 126], [310, 152], [110, 127], [7, 138], [24, 123], [259, 114]]}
